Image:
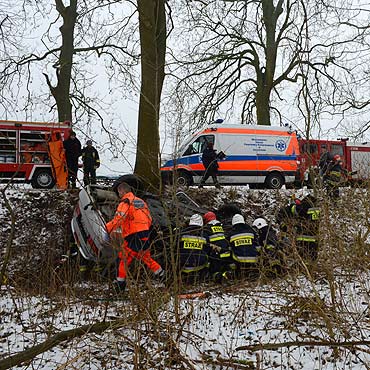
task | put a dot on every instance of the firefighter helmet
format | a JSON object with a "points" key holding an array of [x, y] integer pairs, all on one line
{"points": [[259, 223], [237, 219], [196, 220], [209, 216]]}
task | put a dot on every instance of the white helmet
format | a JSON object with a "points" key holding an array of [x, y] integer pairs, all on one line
{"points": [[196, 220], [302, 193], [237, 219], [259, 223]]}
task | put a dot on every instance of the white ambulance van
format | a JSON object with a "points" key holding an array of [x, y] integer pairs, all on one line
{"points": [[254, 155]]}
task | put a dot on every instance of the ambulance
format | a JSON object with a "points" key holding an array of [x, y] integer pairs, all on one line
{"points": [[263, 155]]}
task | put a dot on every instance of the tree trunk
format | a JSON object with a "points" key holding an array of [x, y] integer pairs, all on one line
{"points": [[152, 26], [265, 76], [61, 91]]}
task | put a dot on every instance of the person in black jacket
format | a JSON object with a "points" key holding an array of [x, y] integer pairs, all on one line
{"points": [[72, 148], [336, 176], [193, 249], [209, 160], [299, 223], [91, 161], [243, 243], [269, 247], [325, 158], [219, 249]]}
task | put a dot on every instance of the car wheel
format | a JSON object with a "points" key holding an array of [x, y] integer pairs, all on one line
{"points": [[42, 179], [274, 181], [183, 179]]}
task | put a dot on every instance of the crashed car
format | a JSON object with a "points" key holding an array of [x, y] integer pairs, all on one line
{"points": [[97, 205]]}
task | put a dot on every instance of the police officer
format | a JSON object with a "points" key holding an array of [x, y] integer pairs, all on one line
{"points": [[219, 249], [91, 161], [243, 243], [130, 227], [193, 249]]}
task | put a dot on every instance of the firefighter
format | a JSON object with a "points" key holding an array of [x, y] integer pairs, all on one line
{"points": [[91, 161], [299, 223], [130, 227], [335, 176], [209, 160], [243, 243], [269, 252], [72, 148], [193, 249], [219, 249]]}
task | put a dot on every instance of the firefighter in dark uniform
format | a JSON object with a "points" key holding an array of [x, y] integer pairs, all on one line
{"points": [[193, 250], [91, 161], [219, 249], [243, 244], [72, 148], [299, 222], [268, 245], [336, 176]]}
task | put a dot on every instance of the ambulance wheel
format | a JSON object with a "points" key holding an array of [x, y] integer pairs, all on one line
{"points": [[183, 179], [42, 179], [274, 181]]}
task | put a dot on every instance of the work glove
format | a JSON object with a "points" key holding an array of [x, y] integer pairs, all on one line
{"points": [[215, 248]]}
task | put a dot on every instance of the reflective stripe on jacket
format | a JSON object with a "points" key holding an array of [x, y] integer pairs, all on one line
{"points": [[132, 216], [243, 244], [193, 249]]}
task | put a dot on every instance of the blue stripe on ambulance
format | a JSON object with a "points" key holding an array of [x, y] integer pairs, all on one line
{"points": [[197, 159]]}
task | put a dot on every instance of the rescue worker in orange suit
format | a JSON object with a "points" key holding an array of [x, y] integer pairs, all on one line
{"points": [[72, 148], [91, 161], [243, 243], [219, 249], [193, 250], [209, 160], [130, 226]]}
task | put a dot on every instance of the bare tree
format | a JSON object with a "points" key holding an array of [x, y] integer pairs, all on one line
{"points": [[252, 58], [89, 31], [152, 20]]}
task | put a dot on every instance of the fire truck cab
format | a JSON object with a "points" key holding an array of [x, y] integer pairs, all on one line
{"points": [[24, 152], [356, 157]]}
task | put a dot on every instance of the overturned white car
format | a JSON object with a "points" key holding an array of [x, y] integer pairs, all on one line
{"points": [[97, 205]]}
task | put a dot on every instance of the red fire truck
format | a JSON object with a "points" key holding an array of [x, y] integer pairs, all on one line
{"points": [[24, 153], [356, 157]]}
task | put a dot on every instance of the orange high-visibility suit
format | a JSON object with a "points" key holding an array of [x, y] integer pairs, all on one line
{"points": [[131, 224]]}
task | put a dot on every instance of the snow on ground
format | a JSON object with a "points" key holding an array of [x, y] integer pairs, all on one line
{"points": [[200, 333], [209, 328]]}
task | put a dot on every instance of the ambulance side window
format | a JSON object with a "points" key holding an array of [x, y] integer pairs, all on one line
{"points": [[199, 144]]}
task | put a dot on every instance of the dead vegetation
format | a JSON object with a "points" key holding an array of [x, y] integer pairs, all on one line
{"points": [[321, 308]]}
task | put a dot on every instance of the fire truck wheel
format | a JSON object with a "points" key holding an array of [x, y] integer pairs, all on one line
{"points": [[274, 181], [42, 179]]}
